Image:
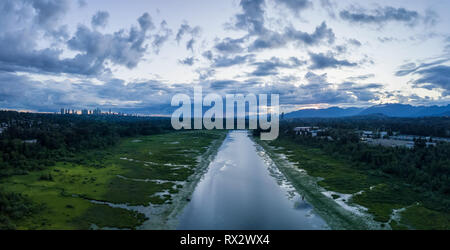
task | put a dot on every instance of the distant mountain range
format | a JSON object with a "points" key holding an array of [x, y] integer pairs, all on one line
{"points": [[391, 110]]}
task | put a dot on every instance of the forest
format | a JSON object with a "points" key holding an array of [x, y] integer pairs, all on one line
{"points": [[426, 170], [424, 126], [31, 142]]}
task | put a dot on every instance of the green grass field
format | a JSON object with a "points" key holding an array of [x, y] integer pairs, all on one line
{"points": [[381, 195], [137, 171]]}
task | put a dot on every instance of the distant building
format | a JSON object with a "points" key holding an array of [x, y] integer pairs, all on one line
{"points": [[298, 129], [366, 134], [313, 131], [97, 111]]}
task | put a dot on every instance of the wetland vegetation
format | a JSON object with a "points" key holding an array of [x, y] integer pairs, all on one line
{"points": [[134, 169], [400, 188], [78, 172]]}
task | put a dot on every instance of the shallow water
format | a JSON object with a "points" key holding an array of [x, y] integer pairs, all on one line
{"points": [[242, 190]]}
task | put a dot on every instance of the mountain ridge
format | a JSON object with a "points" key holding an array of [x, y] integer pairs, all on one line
{"points": [[390, 110]]}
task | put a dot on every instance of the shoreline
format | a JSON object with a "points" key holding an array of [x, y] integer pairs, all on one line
{"points": [[166, 216], [336, 216]]}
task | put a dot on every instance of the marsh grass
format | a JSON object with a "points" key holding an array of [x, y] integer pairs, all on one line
{"points": [[66, 189], [379, 193]]}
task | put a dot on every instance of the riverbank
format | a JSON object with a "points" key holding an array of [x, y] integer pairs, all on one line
{"points": [[350, 195], [243, 190], [139, 180], [331, 206], [167, 217]]}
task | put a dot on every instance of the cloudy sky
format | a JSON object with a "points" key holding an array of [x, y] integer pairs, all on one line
{"points": [[134, 55]]}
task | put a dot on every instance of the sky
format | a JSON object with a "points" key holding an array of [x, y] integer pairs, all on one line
{"points": [[133, 56]]}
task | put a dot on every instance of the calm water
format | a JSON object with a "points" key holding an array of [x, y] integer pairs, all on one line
{"points": [[243, 191]]}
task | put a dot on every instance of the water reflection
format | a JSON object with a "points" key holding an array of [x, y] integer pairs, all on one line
{"points": [[242, 191]]}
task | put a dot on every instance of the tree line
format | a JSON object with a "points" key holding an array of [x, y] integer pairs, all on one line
{"points": [[30, 142], [426, 169], [425, 126]]}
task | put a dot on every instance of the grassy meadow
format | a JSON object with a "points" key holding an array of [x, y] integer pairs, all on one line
{"points": [[391, 202], [136, 172]]}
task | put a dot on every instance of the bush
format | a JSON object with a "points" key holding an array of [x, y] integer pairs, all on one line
{"points": [[46, 177]]}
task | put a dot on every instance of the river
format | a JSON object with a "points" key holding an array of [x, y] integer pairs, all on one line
{"points": [[243, 190]]}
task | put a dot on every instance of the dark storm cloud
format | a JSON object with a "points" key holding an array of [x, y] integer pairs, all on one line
{"points": [[26, 22], [31, 16], [318, 90], [315, 90], [35, 95], [380, 16], [28, 25], [296, 6], [270, 67], [146, 96], [100, 19], [259, 37], [323, 61], [122, 48], [154, 96]]}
